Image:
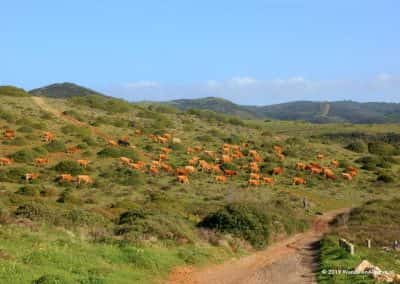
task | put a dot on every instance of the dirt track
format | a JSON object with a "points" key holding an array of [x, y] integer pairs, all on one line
{"points": [[292, 260]]}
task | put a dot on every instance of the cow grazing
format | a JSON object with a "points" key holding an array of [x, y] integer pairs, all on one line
{"points": [[277, 171], [230, 172], [123, 142], [268, 180], [65, 178], [125, 160], [281, 156], [335, 163], [162, 157], [254, 182], [48, 136], [226, 159], [300, 166], [320, 156], [221, 179], [298, 181], [167, 168], [5, 161], [112, 143], [9, 134], [254, 176], [329, 174], [182, 172], [83, 163], [194, 161], [84, 179], [136, 166], [278, 149], [154, 170], [216, 169], [73, 150], [347, 176], [315, 170], [41, 161], [183, 179], [31, 176], [166, 150], [190, 169]]}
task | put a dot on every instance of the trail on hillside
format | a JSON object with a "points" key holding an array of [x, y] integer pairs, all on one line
{"points": [[292, 260], [41, 103]]}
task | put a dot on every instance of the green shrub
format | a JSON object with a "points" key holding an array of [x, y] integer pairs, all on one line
{"points": [[382, 149], [51, 279], [111, 105], [68, 166], [371, 163], [14, 174], [75, 130], [29, 190], [13, 91], [114, 152], [25, 155], [247, 221], [18, 141], [89, 141], [55, 146], [385, 177], [357, 146], [68, 196], [25, 129], [34, 211]]}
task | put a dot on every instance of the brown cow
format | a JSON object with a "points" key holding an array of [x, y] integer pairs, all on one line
{"points": [[125, 160], [166, 167], [84, 179], [48, 136], [315, 170], [112, 143], [300, 166], [31, 176], [162, 140], [226, 159], [189, 150], [254, 182], [162, 157], [268, 180], [347, 176], [65, 178], [278, 149], [166, 150], [298, 181], [83, 163], [335, 163], [9, 134], [221, 179], [277, 171], [230, 172], [41, 161], [181, 172], [136, 166], [5, 161], [183, 179], [281, 156], [320, 156], [73, 150], [216, 168], [194, 161], [190, 169], [153, 170], [255, 176]]}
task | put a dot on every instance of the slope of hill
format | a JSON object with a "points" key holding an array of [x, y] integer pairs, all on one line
{"points": [[214, 104], [317, 112], [63, 90]]}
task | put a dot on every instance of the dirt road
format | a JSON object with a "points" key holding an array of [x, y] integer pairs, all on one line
{"points": [[292, 260], [40, 102]]}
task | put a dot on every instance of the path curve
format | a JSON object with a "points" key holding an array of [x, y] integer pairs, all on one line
{"points": [[292, 260]]}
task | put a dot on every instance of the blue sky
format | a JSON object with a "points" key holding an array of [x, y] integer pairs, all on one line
{"points": [[253, 52]]}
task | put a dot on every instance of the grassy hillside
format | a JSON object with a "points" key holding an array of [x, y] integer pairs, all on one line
{"points": [[63, 90], [135, 224]]}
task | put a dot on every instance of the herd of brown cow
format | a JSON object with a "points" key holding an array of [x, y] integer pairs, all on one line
{"points": [[228, 154]]}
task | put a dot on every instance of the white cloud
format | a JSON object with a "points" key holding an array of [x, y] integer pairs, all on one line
{"points": [[142, 84], [243, 81]]}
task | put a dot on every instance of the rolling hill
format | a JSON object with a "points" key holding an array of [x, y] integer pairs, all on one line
{"points": [[317, 112], [63, 90]]}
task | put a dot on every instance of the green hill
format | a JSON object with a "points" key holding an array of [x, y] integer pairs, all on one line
{"points": [[12, 91], [317, 112], [63, 90]]}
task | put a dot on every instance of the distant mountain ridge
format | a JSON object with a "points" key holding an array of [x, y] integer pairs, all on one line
{"points": [[311, 111], [63, 90], [317, 112]]}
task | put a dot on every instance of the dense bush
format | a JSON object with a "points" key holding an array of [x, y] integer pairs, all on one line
{"points": [[373, 162], [385, 177], [68, 166], [382, 148], [357, 146], [25, 129], [114, 152], [51, 279], [247, 221], [75, 130], [14, 174], [29, 190], [55, 146], [27, 155], [108, 104], [34, 211]]}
